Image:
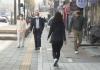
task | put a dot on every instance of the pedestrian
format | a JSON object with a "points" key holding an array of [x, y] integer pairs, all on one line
{"points": [[21, 30], [37, 25], [57, 33], [77, 24]]}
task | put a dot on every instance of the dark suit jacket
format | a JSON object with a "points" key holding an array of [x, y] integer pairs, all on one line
{"points": [[33, 24], [57, 32]]}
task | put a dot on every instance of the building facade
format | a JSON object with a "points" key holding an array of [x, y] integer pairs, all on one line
{"points": [[93, 10]]}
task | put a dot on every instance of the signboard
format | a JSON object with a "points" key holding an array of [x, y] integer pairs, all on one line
{"points": [[81, 3]]}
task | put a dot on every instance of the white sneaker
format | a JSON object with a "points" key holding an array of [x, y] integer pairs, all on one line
{"points": [[76, 52], [55, 62]]}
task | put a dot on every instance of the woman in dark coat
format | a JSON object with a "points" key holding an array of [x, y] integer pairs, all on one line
{"points": [[57, 33]]}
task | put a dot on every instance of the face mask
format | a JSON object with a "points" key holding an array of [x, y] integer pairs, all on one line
{"points": [[21, 18], [36, 16]]}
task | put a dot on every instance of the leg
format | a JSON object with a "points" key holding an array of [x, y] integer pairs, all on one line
{"points": [[59, 46], [38, 39], [79, 39], [18, 39], [53, 50], [56, 52], [35, 38], [22, 39], [76, 44], [75, 40]]}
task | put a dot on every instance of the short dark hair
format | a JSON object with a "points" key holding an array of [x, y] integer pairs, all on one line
{"points": [[18, 17], [78, 13], [21, 15]]}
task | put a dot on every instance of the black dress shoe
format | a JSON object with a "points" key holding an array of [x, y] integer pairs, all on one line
{"points": [[56, 65], [38, 48], [35, 48], [22, 46], [18, 47]]}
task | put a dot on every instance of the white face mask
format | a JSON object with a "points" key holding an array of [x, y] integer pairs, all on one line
{"points": [[37, 16], [21, 18]]}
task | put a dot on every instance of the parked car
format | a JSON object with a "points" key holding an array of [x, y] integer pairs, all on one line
{"points": [[4, 21]]}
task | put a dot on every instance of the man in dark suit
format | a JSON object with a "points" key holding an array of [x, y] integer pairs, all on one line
{"points": [[37, 24]]}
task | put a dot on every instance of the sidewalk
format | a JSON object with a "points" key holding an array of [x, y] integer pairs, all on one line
{"points": [[13, 58]]}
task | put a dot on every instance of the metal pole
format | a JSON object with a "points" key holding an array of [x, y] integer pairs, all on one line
{"points": [[24, 9], [19, 10], [14, 11]]}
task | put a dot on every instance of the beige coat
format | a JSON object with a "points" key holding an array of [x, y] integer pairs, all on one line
{"points": [[21, 25]]}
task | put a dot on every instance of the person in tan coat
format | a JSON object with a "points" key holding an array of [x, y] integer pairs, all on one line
{"points": [[21, 29]]}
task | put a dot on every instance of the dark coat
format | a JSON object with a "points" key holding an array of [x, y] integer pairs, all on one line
{"points": [[57, 32], [33, 24]]}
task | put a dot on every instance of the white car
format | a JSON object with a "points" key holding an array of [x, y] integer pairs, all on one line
{"points": [[4, 21]]}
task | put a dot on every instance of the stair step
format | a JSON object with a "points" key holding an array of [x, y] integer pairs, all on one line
{"points": [[8, 32], [8, 37], [10, 29]]}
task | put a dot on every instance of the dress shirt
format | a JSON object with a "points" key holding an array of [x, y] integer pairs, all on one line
{"points": [[37, 23]]}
